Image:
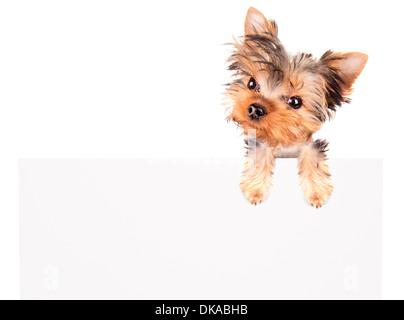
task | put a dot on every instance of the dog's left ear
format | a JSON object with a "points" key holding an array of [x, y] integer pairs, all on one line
{"points": [[345, 68], [256, 23]]}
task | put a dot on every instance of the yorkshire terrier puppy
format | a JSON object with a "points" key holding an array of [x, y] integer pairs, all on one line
{"points": [[280, 101]]}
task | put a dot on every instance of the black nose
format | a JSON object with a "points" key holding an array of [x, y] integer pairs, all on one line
{"points": [[256, 112]]}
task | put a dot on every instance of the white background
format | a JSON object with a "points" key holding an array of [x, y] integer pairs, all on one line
{"points": [[143, 79]]}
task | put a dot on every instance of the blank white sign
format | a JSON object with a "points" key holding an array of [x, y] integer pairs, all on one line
{"points": [[181, 229]]}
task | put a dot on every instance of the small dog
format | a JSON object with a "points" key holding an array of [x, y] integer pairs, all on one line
{"points": [[280, 101]]}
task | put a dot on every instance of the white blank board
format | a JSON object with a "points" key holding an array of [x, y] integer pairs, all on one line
{"points": [[181, 229]]}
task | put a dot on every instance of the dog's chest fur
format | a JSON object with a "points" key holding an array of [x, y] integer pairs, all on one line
{"points": [[288, 151]]}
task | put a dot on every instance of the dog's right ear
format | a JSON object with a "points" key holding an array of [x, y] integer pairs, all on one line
{"points": [[256, 23], [341, 73]]}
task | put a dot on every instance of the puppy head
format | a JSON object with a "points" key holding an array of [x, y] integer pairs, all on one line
{"points": [[284, 97]]}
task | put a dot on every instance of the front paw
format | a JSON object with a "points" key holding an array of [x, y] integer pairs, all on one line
{"points": [[255, 195], [317, 198]]}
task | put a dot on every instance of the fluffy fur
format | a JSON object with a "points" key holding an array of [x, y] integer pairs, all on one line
{"points": [[319, 85]]}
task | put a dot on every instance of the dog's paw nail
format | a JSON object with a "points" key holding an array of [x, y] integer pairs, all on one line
{"points": [[254, 198], [317, 202]]}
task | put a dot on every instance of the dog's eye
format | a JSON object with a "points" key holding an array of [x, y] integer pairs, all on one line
{"points": [[295, 102], [252, 84]]}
